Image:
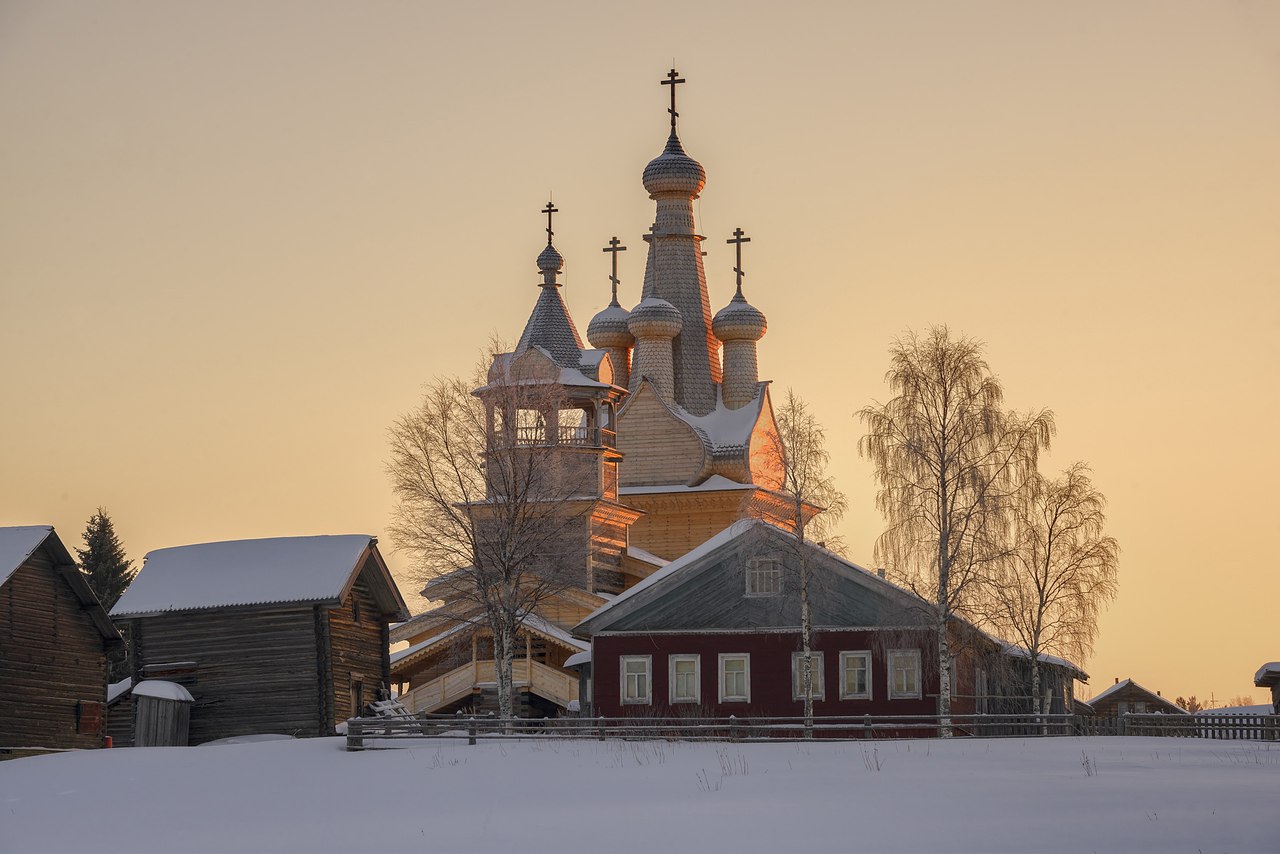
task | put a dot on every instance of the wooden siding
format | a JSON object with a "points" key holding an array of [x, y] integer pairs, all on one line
{"points": [[357, 650], [677, 522], [770, 673], [657, 447], [52, 659], [256, 669]]}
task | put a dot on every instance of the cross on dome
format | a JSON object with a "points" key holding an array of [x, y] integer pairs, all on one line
{"points": [[615, 246], [673, 78], [549, 210], [738, 239]]}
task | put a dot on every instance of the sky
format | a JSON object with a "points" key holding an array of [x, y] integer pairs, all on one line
{"points": [[236, 239]]}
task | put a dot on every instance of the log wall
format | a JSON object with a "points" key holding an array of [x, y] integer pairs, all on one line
{"points": [[53, 664]]}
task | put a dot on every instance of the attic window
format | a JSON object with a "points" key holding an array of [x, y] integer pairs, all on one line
{"points": [[764, 577]]}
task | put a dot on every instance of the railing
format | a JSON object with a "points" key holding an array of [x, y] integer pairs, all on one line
{"points": [[545, 681], [365, 733]]}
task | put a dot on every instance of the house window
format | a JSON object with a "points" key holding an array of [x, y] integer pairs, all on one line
{"points": [[735, 677], [855, 675], [636, 670], [904, 674], [818, 686], [685, 678], [764, 577]]}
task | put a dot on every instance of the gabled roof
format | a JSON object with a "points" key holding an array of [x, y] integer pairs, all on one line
{"points": [[19, 543], [278, 570], [698, 567], [1126, 684]]}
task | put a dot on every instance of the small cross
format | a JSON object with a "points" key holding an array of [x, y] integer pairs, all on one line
{"points": [[549, 210], [738, 239], [615, 246], [672, 80]]}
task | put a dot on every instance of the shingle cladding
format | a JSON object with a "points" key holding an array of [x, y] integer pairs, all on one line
{"points": [[551, 328]]}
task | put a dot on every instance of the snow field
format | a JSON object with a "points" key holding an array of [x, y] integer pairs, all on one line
{"points": [[1074, 795]]}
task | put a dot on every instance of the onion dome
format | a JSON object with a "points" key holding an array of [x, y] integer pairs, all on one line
{"points": [[609, 328], [654, 317], [739, 321], [550, 261], [673, 171]]}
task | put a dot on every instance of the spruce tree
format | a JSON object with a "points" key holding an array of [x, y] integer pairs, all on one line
{"points": [[102, 560]]}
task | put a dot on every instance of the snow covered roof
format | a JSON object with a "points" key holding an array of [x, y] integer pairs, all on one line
{"points": [[17, 544], [1267, 675], [163, 690], [277, 570]]}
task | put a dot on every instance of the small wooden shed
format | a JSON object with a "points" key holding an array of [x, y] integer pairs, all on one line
{"points": [[54, 642], [286, 635]]}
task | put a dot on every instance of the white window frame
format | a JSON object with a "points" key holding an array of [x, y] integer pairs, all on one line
{"points": [[623, 661], [746, 674], [894, 693], [755, 566], [673, 698], [865, 655], [818, 670]]}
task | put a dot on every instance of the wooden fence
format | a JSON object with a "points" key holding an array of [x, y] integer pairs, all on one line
{"points": [[366, 733]]}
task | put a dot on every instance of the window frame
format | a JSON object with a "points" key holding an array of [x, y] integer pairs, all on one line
{"points": [[819, 667], [753, 565], [672, 698], [894, 693], [865, 655], [647, 699], [746, 677]]}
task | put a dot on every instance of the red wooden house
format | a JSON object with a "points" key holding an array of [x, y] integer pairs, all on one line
{"points": [[717, 633]]}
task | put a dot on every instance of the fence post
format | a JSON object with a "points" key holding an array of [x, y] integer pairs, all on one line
{"points": [[471, 730]]}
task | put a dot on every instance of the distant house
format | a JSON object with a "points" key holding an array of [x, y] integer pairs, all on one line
{"points": [[1268, 676], [286, 635], [1127, 696], [717, 632], [54, 642]]}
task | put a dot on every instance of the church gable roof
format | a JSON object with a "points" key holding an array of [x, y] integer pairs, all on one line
{"points": [[705, 590]]}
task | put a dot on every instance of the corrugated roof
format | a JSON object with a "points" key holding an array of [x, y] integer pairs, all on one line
{"points": [[243, 572]]}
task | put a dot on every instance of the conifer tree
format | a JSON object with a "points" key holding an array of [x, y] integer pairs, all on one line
{"points": [[103, 561]]}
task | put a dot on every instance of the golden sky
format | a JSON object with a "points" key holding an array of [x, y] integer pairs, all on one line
{"points": [[236, 238]]}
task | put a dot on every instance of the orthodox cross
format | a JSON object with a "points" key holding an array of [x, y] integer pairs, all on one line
{"points": [[549, 210], [615, 246], [672, 80], [738, 239]]}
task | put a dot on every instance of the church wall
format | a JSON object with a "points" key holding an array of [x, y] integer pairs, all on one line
{"points": [[657, 448]]}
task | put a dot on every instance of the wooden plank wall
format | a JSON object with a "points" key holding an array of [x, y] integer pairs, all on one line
{"points": [[357, 650], [52, 659], [255, 668]]}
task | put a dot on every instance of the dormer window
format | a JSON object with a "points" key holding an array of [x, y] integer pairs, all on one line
{"points": [[764, 577]]}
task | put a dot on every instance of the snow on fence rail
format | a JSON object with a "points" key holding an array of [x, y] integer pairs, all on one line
{"points": [[365, 733], [362, 731]]}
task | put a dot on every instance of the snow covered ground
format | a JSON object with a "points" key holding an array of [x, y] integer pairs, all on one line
{"points": [[1071, 795]]}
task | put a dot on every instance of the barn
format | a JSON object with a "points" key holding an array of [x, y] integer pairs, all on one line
{"points": [[54, 642], [283, 635]]}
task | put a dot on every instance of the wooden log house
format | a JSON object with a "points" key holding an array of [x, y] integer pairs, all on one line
{"points": [[286, 635], [54, 642]]}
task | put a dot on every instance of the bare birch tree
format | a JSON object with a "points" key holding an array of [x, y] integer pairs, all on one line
{"points": [[486, 502], [1058, 574], [949, 460], [802, 458]]}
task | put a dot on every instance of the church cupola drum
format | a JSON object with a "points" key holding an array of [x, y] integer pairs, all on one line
{"points": [[674, 271]]}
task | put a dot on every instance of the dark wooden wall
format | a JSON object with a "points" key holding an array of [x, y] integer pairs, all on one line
{"points": [[256, 669], [53, 665], [357, 650]]}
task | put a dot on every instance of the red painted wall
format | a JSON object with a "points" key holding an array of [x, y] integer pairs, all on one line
{"points": [[771, 693]]}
